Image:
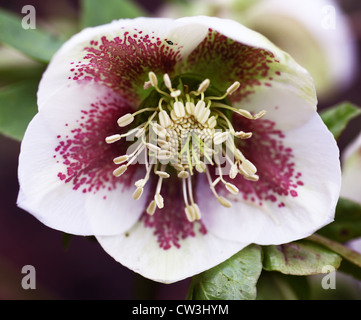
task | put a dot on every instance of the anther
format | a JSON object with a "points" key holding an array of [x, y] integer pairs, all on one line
{"points": [[199, 108], [162, 174], [151, 208], [203, 86], [164, 119], [153, 79], [175, 93], [220, 137], [167, 81], [183, 175], [212, 122], [121, 159], [137, 193], [113, 138], [243, 135], [190, 214], [224, 202], [120, 170], [125, 120], [233, 171], [231, 188], [179, 109], [231, 89], [190, 108], [159, 130], [159, 200]]}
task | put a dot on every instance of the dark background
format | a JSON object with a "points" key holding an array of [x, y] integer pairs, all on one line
{"points": [[83, 270]]}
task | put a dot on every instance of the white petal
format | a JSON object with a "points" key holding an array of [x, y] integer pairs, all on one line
{"points": [[315, 33], [351, 171], [260, 90], [316, 157], [167, 42], [138, 250], [56, 203]]}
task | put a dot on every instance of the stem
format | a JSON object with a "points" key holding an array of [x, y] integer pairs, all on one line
{"points": [[347, 253]]}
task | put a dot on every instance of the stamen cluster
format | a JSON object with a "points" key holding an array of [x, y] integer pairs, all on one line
{"points": [[186, 133]]}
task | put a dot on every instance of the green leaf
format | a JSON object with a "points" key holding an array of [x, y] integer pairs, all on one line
{"points": [[95, 12], [35, 43], [336, 118], [278, 286], [234, 279], [347, 223], [17, 107], [350, 255], [299, 258]]}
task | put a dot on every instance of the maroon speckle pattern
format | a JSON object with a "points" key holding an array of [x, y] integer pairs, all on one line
{"points": [[225, 61], [170, 223], [274, 161], [122, 63], [88, 159]]}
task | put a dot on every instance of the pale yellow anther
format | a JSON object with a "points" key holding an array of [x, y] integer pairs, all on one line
{"points": [[224, 202], [159, 200], [197, 212], [153, 147], [162, 174], [212, 122], [159, 130], [249, 167], [204, 116], [179, 109], [153, 79], [164, 119], [190, 108], [189, 213], [121, 159], [175, 93], [167, 81], [201, 167], [178, 166], [243, 135], [245, 114], [173, 115], [231, 188], [151, 208], [204, 86], [259, 114], [137, 193], [233, 171], [183, 175], [164, 154], [199, 108], [113, 138], [120, 170], [220, 137], [231, 89], [125, 120], [140, 183], [252, 178]]}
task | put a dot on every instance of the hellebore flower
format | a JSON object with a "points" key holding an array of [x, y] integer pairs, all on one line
{"points": [[316, 34], [177, 143], [351, 171]]}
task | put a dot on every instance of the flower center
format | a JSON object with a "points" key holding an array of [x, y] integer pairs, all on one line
{"points": [[184, 132]]}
